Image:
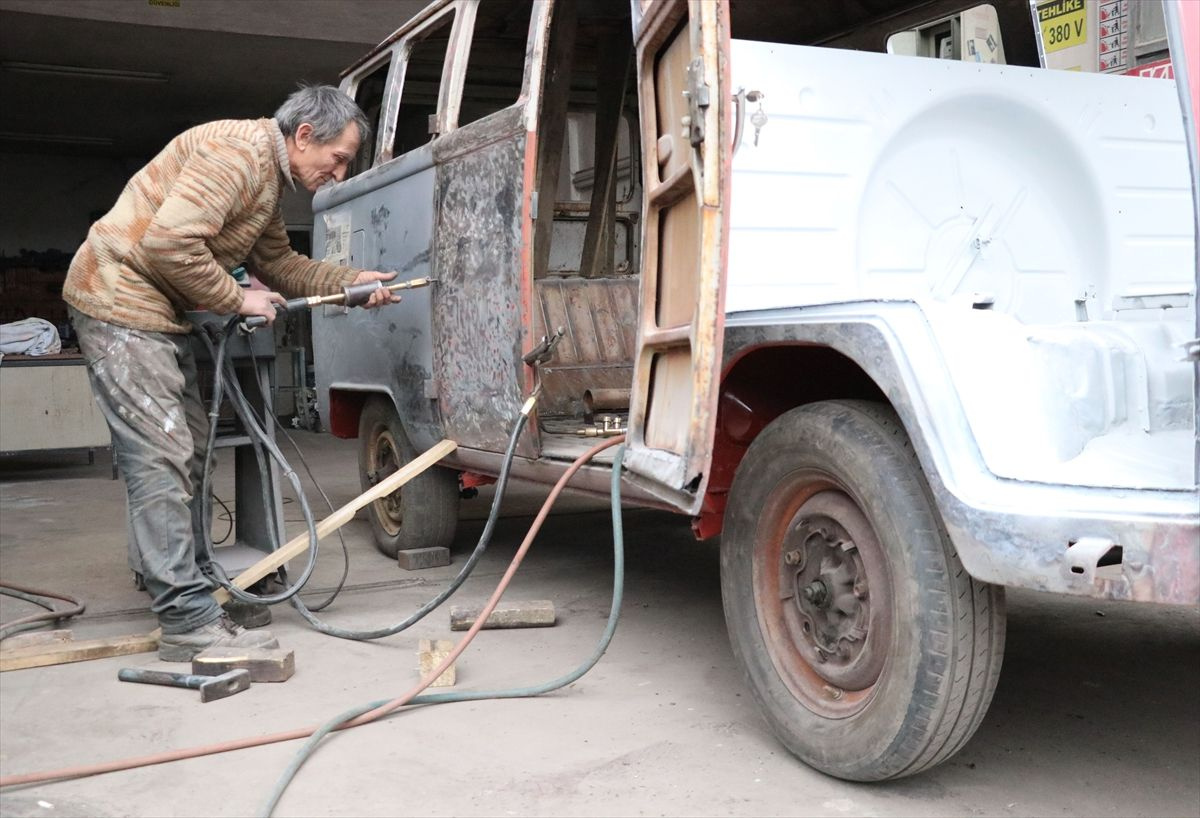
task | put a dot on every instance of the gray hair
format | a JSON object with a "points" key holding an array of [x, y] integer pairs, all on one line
{"points": [[325, 108]]}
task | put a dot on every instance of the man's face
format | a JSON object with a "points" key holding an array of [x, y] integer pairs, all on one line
{"points": [[317, 163]]}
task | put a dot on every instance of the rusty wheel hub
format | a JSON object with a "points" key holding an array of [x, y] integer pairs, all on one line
{"points": [[384, 462], [833, 596]]}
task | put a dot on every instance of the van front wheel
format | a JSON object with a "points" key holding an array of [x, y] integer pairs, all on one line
{"points": [[871, 651], [422, 513]]}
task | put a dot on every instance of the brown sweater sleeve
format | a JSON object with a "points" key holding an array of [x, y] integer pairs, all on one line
{"points": [[218, 179], [289, 272]]}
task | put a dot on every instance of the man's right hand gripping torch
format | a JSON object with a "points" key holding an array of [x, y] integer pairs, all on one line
{"points": [[352, 296]]}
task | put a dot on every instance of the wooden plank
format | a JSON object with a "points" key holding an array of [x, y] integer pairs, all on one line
{"points": [[23, 641], [552, 124], [533, 613], [612, 67], [299, 544], [78, 651], [144, 643]]}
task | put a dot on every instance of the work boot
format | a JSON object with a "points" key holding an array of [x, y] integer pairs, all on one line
{"points": [[224, 632], [248, 614]]}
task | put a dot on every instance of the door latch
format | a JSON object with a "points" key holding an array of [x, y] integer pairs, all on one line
{"points": [[697, 95]]}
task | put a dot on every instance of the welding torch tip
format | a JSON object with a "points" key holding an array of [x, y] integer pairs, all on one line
{"points": [[410, 285]]}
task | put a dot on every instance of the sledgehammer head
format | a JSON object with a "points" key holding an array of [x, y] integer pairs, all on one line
{"points": [[218, 687], [211, 687]]}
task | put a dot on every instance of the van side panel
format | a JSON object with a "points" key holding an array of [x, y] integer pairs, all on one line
{"points": [[381, 220]]}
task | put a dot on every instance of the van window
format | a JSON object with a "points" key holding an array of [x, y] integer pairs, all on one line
{"points": [[369, 96], [496, 66], [426, 58]]}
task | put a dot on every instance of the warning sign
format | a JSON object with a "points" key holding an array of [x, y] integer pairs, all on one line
{"points": [[1063, 24]]}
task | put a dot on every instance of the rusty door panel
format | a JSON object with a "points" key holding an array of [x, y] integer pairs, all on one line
{"points": [[683, 101], [479, 198], [597, 350]]}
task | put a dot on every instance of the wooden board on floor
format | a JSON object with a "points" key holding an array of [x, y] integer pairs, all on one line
{"points": [[81, 651], [144, 643]]}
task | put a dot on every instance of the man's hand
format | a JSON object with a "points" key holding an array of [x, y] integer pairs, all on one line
{"points": [[260, 302], [380, 297]]}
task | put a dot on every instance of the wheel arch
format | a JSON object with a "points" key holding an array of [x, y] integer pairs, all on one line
{"points": [[346, 406], [754, 391]]}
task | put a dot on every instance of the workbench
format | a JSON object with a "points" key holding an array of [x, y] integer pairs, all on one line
{"points": [[46, 404]]}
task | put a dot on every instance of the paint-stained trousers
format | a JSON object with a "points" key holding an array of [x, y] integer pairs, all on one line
{"points": [[146, 386]]}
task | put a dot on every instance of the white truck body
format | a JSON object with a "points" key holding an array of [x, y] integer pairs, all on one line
{"points": [[1040, 220]]}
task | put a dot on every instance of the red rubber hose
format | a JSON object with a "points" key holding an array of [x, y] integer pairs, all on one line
{"points": [[365, 718]]}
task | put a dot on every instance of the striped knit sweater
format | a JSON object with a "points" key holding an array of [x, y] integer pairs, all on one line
{"points": [[207, 203]]}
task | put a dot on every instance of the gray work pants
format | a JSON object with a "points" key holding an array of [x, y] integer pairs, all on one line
{"points": [[145, 384]]}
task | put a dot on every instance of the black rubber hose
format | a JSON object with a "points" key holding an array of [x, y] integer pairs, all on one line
{"points": [[485, 538], [310, 745], [258, 435], [33, 595], [256, 432]]}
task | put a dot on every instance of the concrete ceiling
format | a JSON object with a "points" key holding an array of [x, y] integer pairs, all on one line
{"points": [[198, 74]]}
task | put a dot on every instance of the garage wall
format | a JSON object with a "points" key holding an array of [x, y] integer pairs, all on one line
{"points": [[48, 199]]}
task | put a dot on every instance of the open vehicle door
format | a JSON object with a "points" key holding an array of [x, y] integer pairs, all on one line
{"points": [[683, 81]]}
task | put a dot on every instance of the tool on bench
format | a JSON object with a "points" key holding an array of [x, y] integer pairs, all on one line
{"points": [[211, 687], [354, 295]]}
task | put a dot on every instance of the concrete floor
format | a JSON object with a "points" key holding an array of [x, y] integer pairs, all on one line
{"points": [[1096, 713]]}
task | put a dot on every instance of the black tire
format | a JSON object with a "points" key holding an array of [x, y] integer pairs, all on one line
{"points": [[872, 653], [423, 513]]}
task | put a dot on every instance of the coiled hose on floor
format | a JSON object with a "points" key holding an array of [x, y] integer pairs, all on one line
{"points": [[385, 706], [379, 710]]}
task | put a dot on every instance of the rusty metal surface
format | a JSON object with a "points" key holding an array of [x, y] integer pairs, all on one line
{"points": [[1008, 532], [670, 434], [593, 479], [476, 310], [413, 22], [597, 350]]}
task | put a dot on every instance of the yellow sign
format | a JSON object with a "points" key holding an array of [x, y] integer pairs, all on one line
{"points": [[1063, 24]]}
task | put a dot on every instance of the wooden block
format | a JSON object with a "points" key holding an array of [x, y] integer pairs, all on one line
{"points": [[533, 613], [77, 651], [414, 559], [264, 664], [36, 640], [429, 655]]}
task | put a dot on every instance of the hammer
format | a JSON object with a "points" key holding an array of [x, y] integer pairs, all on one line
{"points": [[211, 687]]}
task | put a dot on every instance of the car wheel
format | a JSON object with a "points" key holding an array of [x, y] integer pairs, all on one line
{"points": [[422, 513], [871, 651]]}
